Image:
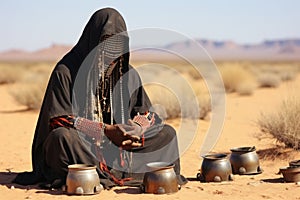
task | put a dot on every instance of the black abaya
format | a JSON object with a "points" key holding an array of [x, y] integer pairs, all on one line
{"points": [[53, 150]]}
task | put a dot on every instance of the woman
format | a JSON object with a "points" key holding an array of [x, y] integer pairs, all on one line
{"points": [[95, 111]]}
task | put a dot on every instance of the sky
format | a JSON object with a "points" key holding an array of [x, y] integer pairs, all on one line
{"points": [[32, 24]]}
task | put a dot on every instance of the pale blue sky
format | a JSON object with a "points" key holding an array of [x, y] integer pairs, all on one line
{"points": [[31, 25]]}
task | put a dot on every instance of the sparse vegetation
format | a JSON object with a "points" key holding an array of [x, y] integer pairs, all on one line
{"points": [[268, 80], [204, 99], [176, 93], [247, 87], [10, 74], [29, 81], [28, 94], [237, 79], [240, 77], [165, 100], [284, 123]]}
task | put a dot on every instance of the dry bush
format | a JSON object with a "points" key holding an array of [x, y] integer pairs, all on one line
{"points": [[175, 92], [284, 124], [28, 94], [271, 74], [237, 79], [287, 75], [194, 74], [167, 104], [165, 101], [246, 87], [268, 80], [30, 86], [203, 97], [13, 72], [10, 74]]}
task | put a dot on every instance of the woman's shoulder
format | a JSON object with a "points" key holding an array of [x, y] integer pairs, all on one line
{"points": [[60, 67], [61, 70]]}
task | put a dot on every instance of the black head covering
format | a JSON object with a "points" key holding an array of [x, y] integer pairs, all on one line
{"points": [[104, 22]]}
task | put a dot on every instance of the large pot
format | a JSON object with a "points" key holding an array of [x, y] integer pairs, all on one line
{"points": [[161, 179], [244, 160], [82, 179], [290, 174], [215, 168]]}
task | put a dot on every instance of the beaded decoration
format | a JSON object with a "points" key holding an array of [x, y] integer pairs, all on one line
{"points": [[145, 121], [90, 128]]}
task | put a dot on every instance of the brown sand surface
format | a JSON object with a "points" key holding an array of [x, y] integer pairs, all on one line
{"points": [[17, 126]]}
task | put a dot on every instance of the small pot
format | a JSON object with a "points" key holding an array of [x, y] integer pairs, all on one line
{"points": [[215, 168], [290, 174], [244, 161], [82, 179], [161, 179]]}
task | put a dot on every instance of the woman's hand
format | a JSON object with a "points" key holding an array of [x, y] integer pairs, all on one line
{"points": [[133, 128], [124, 136]]}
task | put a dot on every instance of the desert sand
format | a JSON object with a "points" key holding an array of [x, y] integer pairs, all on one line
{"points": [[17, 127]]}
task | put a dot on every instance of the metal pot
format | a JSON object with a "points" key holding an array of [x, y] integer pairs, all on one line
{"points": [[290, 174], [294, 163], [244, 161], [161, 179], [215, 168], [83, 179]]}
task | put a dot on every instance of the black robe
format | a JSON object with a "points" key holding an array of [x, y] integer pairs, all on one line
{"points": [[54, 150]]}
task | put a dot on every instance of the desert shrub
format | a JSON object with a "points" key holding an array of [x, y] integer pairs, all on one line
{"points": [[268, 80], [284, 123], [203, 97], [30, 87], [165, 101], [237, 79], [167, 105], [287, 75], [246, 87], [13, 72], [173, 91], [194, 74], [9, 74], [204, 101], [28, 94]]}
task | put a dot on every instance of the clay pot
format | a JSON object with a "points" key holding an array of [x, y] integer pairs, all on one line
{"points": [[82, 179], [290, 174], [244, 160], [161, 179], [215, 168]]}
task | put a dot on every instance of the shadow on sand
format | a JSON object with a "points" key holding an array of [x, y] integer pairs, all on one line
{"points": [[15, 111], [6, 179], [273, 180], [278, 152]]}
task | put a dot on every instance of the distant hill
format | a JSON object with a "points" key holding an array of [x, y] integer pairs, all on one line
{"points": [[228, 50], [52, 53], [285, 49]]}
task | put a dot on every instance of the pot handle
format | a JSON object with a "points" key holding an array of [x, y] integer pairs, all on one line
{"points": [[252, 148], [200, 177], [142, 188]]}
